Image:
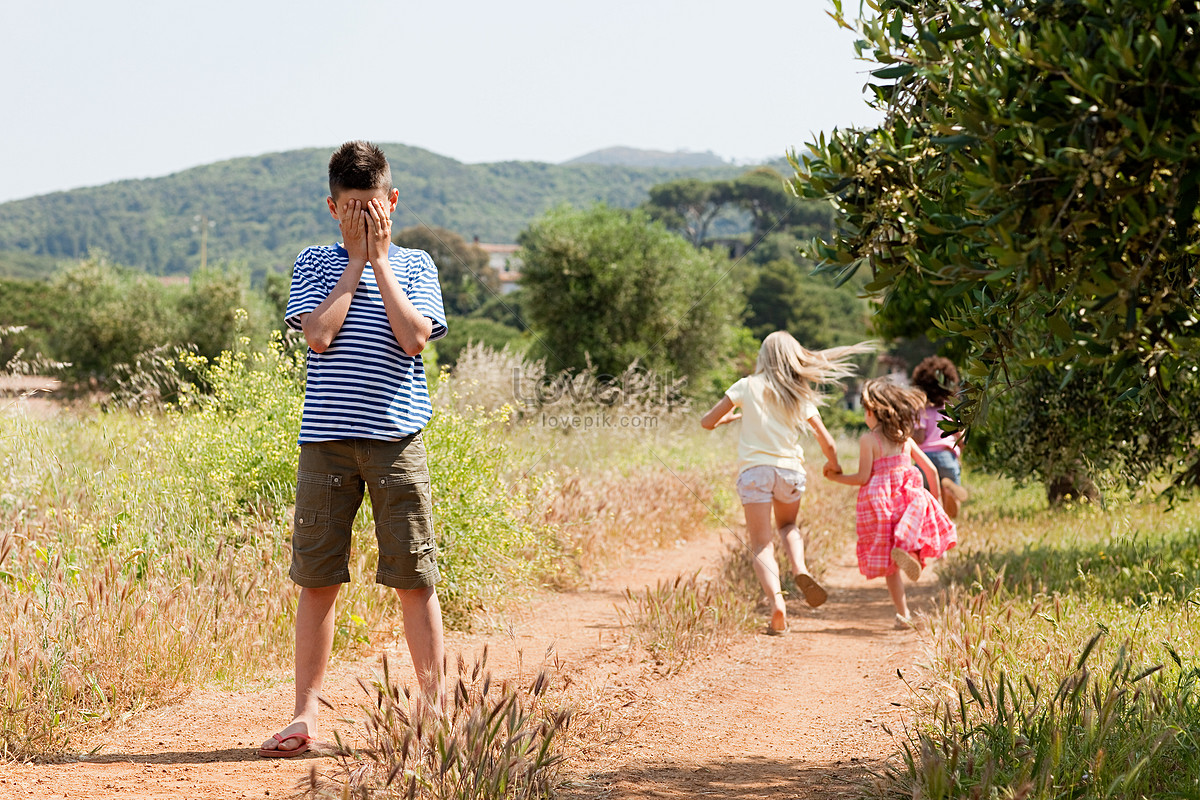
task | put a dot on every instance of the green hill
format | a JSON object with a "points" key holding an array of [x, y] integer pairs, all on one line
{"points": [[633, 157], [265, 209]]}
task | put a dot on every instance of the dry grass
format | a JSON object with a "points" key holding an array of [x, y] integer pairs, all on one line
{"points": [[495, 741], [678, 620], [603, 517]]}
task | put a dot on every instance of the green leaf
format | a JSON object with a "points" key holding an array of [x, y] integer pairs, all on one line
{"points": [[1060, 328], [888, 73], [955, 32]]}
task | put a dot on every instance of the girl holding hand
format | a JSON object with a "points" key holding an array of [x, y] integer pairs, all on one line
{"points": [[779, 401], [900, 524]]}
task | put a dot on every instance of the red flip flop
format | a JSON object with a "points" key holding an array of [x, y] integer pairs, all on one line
{"points": [[276, 752]]}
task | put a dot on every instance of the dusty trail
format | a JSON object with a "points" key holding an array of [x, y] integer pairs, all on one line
{"points": [[796, 716]]}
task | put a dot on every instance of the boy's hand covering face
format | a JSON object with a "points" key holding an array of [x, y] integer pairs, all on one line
{"points": [[352, 221], [378, 231]]}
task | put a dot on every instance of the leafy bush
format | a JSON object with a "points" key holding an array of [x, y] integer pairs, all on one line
{"points": [[611, 288], [491, 543]]}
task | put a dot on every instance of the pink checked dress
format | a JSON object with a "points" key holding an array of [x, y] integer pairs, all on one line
{"points": [[895, 510]]}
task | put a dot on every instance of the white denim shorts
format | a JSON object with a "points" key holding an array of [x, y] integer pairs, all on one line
{"points": [[763, 484]]}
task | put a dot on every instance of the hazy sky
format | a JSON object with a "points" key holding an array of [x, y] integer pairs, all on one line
{"points": [[102, 91]]}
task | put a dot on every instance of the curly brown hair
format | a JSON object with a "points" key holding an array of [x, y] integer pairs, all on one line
{"points": [[896, 407], [937, 377]]}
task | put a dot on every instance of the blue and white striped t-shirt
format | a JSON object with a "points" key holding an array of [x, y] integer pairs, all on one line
{"points": [[364, 386]]}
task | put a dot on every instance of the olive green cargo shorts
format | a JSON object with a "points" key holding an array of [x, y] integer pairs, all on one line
{"points": [[329, 490]]}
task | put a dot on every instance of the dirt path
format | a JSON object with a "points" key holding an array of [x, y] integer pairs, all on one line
{"points": [[797, 716]]}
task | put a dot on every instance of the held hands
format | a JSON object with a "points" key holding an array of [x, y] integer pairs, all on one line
{"points": [[831, 468]]}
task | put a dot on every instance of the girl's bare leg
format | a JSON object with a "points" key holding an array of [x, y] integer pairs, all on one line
{"points": [[762, 550], [793, 542], [895, 584], [793, 545]]}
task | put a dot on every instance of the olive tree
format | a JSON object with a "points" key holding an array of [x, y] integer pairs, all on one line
{"points": [[616, 287], [1032, 193]]}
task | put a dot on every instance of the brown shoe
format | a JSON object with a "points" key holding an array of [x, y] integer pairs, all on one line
{"points": [[814, 593], [953, 496]]}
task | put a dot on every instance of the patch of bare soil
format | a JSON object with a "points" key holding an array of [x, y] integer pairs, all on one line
{"points": [[29, 395], [794, 716]]}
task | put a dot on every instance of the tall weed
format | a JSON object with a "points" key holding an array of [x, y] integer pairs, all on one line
{"points": [[1023, 695], [495, 741], [676, 621]]}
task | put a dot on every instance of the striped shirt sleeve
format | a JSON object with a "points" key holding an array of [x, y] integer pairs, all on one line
{"points": [[307, 290], [426, 293]]}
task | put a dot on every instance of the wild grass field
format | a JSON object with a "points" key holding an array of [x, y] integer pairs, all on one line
{"points": [[1062, 661], [144, 552]]}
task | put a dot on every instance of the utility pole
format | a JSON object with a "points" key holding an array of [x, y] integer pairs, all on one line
{"points": [[203, 224]]}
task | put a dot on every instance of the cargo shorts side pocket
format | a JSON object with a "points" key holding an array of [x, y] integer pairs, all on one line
{"points": [[320, 551], [404, 525]]}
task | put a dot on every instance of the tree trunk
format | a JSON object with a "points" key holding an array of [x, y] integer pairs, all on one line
{"points": [[1071, 486]]}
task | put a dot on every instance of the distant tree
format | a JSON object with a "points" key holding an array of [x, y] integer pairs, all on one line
{"points": [[276, 288], [467, 278], [507, 309], [782, 295], [765, 195], [761, 197], [32, 306], [208, 315], [688, 206], [615, 286], [476, 329], [107, 315]]}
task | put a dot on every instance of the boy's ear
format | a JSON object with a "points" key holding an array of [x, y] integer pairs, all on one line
{"points": [[393, 200], [332, 208]]}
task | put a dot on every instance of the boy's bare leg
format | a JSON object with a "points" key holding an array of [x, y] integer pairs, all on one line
{"points": [[314, 640], [762, 551], [423, 633]]}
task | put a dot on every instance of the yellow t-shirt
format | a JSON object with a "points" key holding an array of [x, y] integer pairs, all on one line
{"points": [[766, 439]]}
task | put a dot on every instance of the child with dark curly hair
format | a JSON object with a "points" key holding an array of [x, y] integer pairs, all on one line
{"points": [[937, 377]]}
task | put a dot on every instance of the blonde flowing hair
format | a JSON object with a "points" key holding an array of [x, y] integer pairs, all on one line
{"points": [[793, 372]]}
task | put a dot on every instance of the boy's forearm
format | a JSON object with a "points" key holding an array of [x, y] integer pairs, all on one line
{"points": [[410, 327], [323, 323]]}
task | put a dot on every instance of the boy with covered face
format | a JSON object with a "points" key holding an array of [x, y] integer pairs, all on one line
{"points": [[367, 308]]}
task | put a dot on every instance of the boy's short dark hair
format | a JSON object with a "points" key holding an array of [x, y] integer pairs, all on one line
{"points": [[359, 165]]}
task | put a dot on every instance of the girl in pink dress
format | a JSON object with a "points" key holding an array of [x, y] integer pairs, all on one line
{"points": [[900, 524]]}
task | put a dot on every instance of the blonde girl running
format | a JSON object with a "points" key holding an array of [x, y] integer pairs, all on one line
{"points": [[777, 402]]}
